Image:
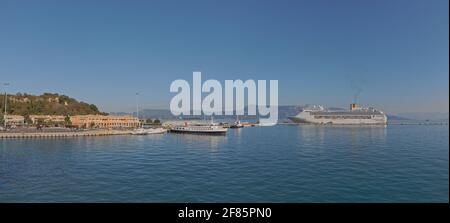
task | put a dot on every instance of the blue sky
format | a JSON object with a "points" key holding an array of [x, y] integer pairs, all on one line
{"points": [[103, 52]]}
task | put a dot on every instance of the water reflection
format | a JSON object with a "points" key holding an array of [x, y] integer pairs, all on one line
{"points": [[149, 136], [212, 141], [355, 135], [236, 134], [304, 163]]}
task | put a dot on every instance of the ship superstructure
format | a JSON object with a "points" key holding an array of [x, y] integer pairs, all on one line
{"points": [[356, 115]]}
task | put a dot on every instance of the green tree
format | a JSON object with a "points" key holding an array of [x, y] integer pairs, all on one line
{"points": [[40, 121], [92, 125], [93, 108], [28, 120], [46, 104], [148, 121], [157, 122], [67, 120]]}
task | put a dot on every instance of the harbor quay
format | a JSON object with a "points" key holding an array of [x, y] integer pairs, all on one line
{"points": [[63, 134]]}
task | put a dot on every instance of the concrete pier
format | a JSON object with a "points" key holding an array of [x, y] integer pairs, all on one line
{"points": [[12, 135]]}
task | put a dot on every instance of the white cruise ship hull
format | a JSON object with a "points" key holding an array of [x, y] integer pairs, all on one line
{"points": [[307, 117], [338, 122]]}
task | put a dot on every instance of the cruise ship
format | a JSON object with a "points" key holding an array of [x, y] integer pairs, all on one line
{"points": [[356, 115]]}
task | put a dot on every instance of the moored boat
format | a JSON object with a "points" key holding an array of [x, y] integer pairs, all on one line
{"points": [[139, 131], [237, 124], [199, 129], [211, 128], [156, 131]]}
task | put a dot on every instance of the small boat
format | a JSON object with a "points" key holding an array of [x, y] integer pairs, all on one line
{"points": [[237, 124], [156, 131], [266, 124], [139, 131]]}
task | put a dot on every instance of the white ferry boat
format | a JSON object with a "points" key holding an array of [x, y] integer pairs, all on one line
{"points": [[356, 115], [211, 128], [200, 129]]}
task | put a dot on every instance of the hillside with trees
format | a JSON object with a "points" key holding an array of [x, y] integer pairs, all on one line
{"points": [[46, 104]]}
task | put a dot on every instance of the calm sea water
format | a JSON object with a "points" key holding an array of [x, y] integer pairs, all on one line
{"points": [[256, 164]]}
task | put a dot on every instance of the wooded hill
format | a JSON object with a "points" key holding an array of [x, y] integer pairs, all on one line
{"points": [[46, 104]]}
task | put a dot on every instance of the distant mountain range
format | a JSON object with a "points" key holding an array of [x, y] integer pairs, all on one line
{"points": [[422, 116], [56, 104], [397, 118], [283, 113], [162, 114]]}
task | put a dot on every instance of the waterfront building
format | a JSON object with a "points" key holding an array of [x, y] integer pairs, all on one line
{"points": [[53, 119], [103, 121], [14, 119]]}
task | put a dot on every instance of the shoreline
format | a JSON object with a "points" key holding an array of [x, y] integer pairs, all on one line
{"points": [[108, 132], [17, 135]]}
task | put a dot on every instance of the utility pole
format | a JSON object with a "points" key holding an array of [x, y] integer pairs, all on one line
{"points": [[137, 108], [6, 95]]}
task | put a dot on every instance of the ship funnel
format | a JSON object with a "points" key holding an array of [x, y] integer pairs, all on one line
{"points": [[353, 106]]}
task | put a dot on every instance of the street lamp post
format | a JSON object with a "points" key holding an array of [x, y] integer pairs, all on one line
{"points": [[137, 105], [137, 108], [6, 95]]}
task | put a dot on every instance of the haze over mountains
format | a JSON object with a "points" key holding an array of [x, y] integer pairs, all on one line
{"points": [[433, 116], [283, 113], [55, 104]]}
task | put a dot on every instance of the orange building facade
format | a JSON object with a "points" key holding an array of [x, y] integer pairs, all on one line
{"points": [[57, 119], [103, 121], [14, 119]]}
